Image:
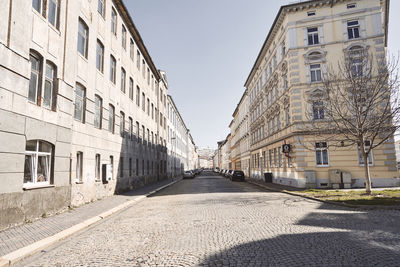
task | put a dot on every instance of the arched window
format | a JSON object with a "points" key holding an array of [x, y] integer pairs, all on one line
{"points": [[50, 86], [83, 38], [36, 77], [315, 60], [39, 156], [98, 111], [80, 103]]}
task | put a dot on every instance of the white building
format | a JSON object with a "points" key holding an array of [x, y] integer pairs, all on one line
{"points": [[82, 106]]}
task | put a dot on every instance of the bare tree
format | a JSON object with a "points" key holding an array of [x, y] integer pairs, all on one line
{"points": [[357, 104]]}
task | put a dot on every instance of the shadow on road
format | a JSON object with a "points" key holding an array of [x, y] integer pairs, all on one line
{"points": [[311, 249]]}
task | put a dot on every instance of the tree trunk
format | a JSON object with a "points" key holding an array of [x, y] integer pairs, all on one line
{"points": [[367, 175]]}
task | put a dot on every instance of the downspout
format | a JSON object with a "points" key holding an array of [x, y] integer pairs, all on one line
{"points": [[9, 23]]}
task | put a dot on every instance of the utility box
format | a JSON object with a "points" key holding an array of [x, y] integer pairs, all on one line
{"points": [[107, 173], [334, 176], [346, 178], [310, 178]]}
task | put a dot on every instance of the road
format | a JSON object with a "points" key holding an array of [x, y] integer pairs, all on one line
{"points": [[211, 221]]}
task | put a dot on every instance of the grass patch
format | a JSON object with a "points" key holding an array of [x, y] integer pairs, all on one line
{"points": [[356, 197]]}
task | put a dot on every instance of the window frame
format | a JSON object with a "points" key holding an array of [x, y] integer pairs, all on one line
{"points": [[123, 80], [101, 3], [351, 29], [34, 161], [321, 147], [370, 155], [111, 119], [85, 36], [53, 85], [113, 69], [38, 74], [83, 101], [114, 21], [99, 56], [56, 15], [98, 112], [316, 70], [312, 36]]}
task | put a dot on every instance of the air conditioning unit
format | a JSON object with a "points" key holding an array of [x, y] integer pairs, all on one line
{"points": [[107, 173]]}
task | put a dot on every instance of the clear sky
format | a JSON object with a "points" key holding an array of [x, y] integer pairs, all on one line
{"points": [[207, 48]]}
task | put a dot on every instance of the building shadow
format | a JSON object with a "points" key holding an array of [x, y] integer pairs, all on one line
{"points": [[311, 249]]}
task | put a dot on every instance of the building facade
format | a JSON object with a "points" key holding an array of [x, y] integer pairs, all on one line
{"points": [[178, 141], [304, 40], [83, 107]]}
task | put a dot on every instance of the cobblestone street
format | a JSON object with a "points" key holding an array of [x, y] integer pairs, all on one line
{"points": [[211, 221]]}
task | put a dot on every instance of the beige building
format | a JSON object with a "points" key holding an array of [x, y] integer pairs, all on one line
{"points": [[240, 146], [82, 106], [305, 38]]}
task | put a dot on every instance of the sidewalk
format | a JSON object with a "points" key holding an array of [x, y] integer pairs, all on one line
{"points": [[19, 237]]}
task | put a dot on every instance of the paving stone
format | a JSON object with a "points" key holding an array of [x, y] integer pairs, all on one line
{"points": [[211, 221]]}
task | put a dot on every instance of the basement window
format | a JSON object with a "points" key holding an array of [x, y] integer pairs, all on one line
{"points": [[311, 13], [353, 5]]}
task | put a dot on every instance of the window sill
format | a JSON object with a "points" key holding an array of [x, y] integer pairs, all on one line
{"points": [[32, 187], [78, 182]]}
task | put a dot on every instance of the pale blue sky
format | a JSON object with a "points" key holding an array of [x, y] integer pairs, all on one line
{"points": [[207, 48]]}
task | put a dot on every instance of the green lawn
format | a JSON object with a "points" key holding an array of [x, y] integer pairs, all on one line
{"points": [[378, 197]]}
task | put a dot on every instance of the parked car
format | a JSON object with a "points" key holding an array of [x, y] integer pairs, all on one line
{"points": [[188, 174], [229, 174], [237, 176]]}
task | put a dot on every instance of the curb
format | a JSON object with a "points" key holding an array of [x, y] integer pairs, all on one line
{"points": [[370, 207], [22, 253]]}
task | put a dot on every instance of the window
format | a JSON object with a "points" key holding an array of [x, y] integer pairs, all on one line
{"points": [[148, 107], [315, 72], [113, 69], [130, 128], [39, 156], [101, 8], [114, 21], [275, 158], [112, 166], [270, 157], [148, 76], [137, 131], [357, 67], [100, 56], [137, 167], [53, 12], [121, 167], [97, 170], [312, 34], [311, 13], [111, 118], [142, 167], [143, 102], [138, 96], [138, 59], [130, 167], [143, 68], [83, 37], [79, 167], [318, 110], [367, 145], [80, 103], [283, 55], [122, 124], [351, 6], [123, 80], [321, 154], [143, 132], [353, 29], [98, 111], [123, 37], [37, 5], [34, 82], [152, 111], [132, 49], [50, 86], [280, 158], [131, 89]]}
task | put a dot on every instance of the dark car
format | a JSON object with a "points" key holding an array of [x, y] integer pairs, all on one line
{"points": [[237, 176]]}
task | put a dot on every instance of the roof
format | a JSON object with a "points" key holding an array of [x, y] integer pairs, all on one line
{"points": [[136, 36]]}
